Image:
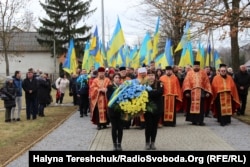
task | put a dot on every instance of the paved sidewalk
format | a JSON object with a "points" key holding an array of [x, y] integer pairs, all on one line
{"points": [[80, 134]]}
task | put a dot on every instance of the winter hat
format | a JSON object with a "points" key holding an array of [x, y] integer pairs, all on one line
{"points": [[9, 78]]}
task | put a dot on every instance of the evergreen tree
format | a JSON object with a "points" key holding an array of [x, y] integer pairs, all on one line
{"points": [[64, 17]]}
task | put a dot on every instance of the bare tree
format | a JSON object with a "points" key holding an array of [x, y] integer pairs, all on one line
{"points": [[10, 16], [29, 19], [204, 15]]}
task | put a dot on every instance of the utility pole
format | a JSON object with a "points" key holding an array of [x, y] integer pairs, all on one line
{"points": [[103, 32], [54, 51]]}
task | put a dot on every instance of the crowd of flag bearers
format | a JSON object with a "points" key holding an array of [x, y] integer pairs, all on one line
{"points": [[190, 87], [192, 91]]}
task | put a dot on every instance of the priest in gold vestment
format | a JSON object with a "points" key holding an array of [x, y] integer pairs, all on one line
{"points": [[172, 97], [196, 90], [99, 102], [226, 100]]}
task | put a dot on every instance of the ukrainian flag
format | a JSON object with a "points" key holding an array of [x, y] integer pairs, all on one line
{"points": [[70, 63], [156, 40], [185, 38], [116, 42]]}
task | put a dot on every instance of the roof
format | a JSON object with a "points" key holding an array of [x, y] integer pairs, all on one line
{"points": [[25, 42]]}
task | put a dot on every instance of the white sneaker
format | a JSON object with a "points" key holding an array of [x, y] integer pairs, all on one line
{"points": [[56, 104]]}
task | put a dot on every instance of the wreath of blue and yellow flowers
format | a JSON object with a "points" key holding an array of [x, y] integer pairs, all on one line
{"points": [[131, 98]]}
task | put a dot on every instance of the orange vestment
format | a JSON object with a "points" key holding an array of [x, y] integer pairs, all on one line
{"points": [[99, 99], [195, 82], [226, 89], [172, 96]]}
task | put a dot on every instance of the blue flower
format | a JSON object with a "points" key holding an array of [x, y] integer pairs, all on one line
{"points": [[148, 88]]}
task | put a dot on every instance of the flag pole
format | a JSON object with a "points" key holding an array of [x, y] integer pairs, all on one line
{"points": [[213, 47], [208, 41]]}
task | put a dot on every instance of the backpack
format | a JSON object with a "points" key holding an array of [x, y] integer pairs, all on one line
{"points": [[54, 84]]}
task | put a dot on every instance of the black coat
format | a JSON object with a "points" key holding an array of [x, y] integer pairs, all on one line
{"points": [[155, 96], [10, 91], [43, 92], [242, 79], [111, 112], [30, 85], [73, 85]]}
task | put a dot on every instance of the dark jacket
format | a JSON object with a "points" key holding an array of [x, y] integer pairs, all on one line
{"points": [[73, 85], [43, 92], [18, 85], [30, 85], [10, 91], [111, 112], [156, 97], [242, 79]]}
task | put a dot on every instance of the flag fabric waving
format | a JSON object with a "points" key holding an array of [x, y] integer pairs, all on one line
{"points": [[208, 57], [185, 38], [145, 51], [156, 40], [116, 42], [200, 56], [94, 43], [187, 57], [217, 60], [169, 52], [70, 63]]}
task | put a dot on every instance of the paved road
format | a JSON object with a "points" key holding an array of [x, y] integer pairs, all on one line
{"points": [[79, 134]]}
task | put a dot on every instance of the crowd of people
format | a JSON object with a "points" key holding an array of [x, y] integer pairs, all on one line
{"points": [[197, 92], [37, 91]]}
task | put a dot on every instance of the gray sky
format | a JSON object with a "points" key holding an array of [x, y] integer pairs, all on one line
{"points": [[127, 11], [124, 9]]}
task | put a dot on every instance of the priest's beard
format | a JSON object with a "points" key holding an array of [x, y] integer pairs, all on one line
{"points": [[196, 70], [101, 76], [223, 76]]}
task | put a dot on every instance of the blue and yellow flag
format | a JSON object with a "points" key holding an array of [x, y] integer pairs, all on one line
{"points": [[94, 43], [200, 56], [88, 61], [116, 42], [217, 60], [161, 61], [169, 52], [146, 49], [185, 37], [121, 59], [99, 61], [209, 56], [134, 59], [156, 40], [187, 57], [85, 56], [70, 63]]}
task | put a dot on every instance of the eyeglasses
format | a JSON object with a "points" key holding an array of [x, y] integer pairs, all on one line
{"points": [[222, 70]]}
